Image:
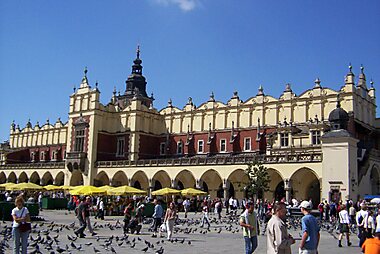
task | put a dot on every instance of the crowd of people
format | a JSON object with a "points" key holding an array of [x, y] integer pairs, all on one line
{"points": [[272, 215]]}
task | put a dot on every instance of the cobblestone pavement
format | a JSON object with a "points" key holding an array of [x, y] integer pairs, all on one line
{"points": [[200, 241]]}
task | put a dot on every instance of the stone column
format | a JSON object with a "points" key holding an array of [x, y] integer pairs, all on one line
{"points": [[151, 187], [288, 189], [226, 184]]}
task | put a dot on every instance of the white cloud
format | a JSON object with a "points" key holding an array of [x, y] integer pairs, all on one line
{"points": [[185, 5]]}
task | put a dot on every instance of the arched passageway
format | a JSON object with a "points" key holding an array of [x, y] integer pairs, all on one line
{"points": [[375, 181], [47, 179], [12, 178], [3, 178], [140, 181], [35, 178], [23, 178], [76, 178], [101, 179], [161, 180], [306, 185], [238, 180], [184, 179], [212, 183], [276, 186], [119, 179], [59, 179]]}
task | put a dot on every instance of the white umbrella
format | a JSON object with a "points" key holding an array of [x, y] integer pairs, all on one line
{"points": [[375, 200]]}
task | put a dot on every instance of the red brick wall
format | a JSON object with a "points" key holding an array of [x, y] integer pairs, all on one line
{"points": [[21, 156], [107, 147], [150, 146]]}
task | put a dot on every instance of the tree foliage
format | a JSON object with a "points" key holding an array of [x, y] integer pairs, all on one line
{"points": [[258, 178]]}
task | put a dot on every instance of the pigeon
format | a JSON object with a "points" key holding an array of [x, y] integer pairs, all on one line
{"points": [[96, 250], [145, 249]]}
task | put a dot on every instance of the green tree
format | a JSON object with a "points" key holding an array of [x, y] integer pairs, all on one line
{"points": [[258, 179]]}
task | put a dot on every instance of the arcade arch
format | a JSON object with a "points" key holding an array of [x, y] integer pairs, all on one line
{"points": [[161, 180], [3, 178], [23, 178], [12, 178], [212, 183], [375, 180], [76, 178], [119, 179], [47, 179], [140, 181], [238, 180], [60, 179], [184, 179], [306, 185], [276, 185], [101, 179], [35, 178]]}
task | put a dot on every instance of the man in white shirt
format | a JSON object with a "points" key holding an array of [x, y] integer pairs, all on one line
{"points": [[362, 222], [344, 226], [186, 206], [378, 221]]}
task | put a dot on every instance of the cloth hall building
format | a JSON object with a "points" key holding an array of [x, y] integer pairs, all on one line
{"points": [[321, 144]]}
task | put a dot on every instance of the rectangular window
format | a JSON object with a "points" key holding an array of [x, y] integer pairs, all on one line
{"points": [[42, 156], [179, 147], [284, 139], [162, 148], [200, 146], [247, 144], [120, 147], [316, 137], [79, 140], [223, 147]]}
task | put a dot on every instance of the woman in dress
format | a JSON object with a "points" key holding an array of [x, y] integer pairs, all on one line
{"points": [[20, 216]]}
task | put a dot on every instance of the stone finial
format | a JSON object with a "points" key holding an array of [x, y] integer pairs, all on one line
{"points": [[170, 102], [114, 91], [212, 97], [362, 68], [235, 95], [37, 125], [371, 82], [350, 68], [29, 124], [317, 83], [13, 125], [288, 88], [261, 90], [74, 89], [190, 101]]}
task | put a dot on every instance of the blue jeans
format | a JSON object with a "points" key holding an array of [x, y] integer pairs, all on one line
{"points": [[250, 244], [17, 236]]}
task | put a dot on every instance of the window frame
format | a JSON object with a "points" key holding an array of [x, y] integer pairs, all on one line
{"points": [[179, 146], [315, 137], [245, 143], [201, 144], [120, 149], [225, 145], [284, 136], [162, 148]]}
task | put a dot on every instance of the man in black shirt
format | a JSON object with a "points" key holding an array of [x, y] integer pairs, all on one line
{"points": [[81, 215]]}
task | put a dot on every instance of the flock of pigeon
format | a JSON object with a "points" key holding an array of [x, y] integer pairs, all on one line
{"points": [[52, 237]]}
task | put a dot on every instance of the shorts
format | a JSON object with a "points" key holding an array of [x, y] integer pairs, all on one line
{"points": [[344, 228]]}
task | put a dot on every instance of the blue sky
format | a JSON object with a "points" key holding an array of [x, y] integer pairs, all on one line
{"points": [[188, 48]]}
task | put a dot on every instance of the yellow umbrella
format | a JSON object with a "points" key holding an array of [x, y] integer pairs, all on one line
{"points": [[165, 191], [122, 190], [24, 186], [87, 190], [52, 187], [4, 185], [106, 188], [192, 192], [67, 187]]}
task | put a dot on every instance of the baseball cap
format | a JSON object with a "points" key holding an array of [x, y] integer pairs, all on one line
{"points": [[306, 204]]}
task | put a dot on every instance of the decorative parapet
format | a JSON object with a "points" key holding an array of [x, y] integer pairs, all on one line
{"points": [[23, 166], [216, 160]]}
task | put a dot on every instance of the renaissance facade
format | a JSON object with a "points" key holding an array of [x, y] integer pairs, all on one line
{"points": [[321, 144]]}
